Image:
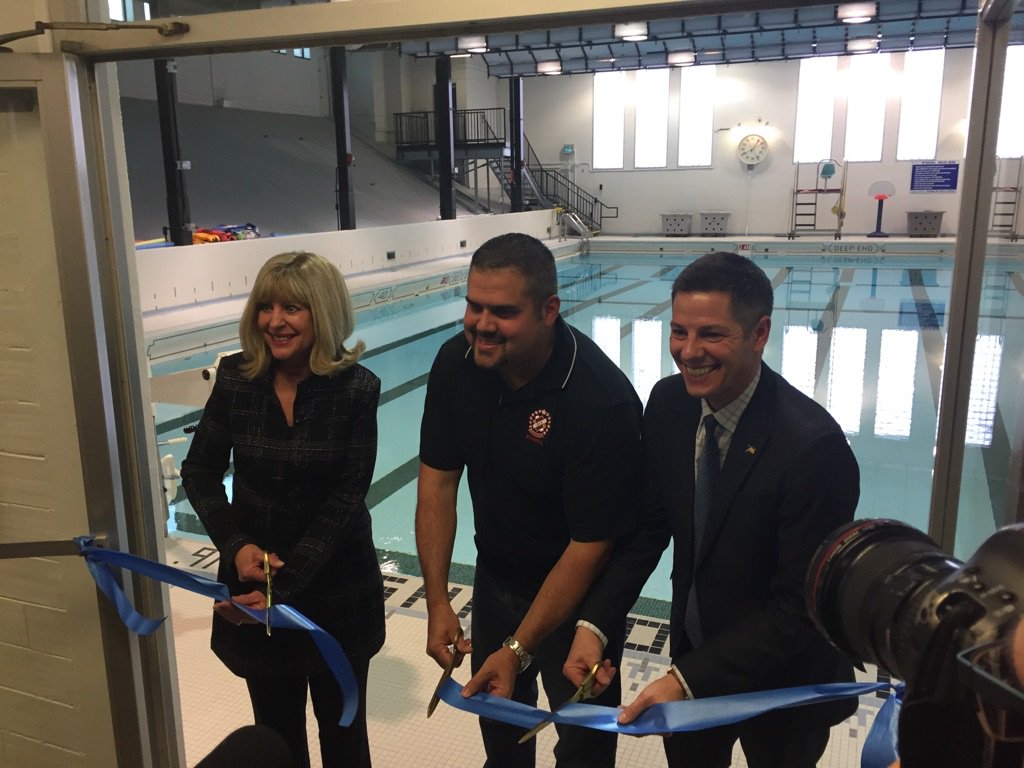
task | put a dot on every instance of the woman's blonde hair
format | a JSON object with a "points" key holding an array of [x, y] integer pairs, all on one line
{"points": [[310, 281]]}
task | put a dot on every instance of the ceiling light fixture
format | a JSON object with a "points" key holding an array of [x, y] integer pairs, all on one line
{"points": [[680, 58], [861, 45], [856, 13], [633, 32], [549, 67], [474, 44]]}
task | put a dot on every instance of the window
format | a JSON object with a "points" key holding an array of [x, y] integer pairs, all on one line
{"points": [[605, 331], [815, 103], [981, 407], [647, 356], [651, 135], [696, 114], [1011, 114], [799, 351], [846, 377], [116, 10], [920, 99], [894, 398], [865, 107], [609, 114], [299, 53]]}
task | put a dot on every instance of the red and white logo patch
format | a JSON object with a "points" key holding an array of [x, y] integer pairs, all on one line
{"points": [[539, 424]]}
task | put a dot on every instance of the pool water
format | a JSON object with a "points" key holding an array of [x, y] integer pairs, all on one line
{"points": [[864, 336]]}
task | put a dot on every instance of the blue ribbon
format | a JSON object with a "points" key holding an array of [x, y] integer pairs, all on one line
{"points": [[99, 561], [671, 717], [881, 746]]}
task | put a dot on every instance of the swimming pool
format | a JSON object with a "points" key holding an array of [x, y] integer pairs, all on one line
{"points": [[861, 327]]}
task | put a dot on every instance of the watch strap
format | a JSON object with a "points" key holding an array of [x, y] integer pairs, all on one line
{"points": [[524, 656]]}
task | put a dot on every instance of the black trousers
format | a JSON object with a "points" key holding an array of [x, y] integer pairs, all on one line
{"points": [[773, 740], [280, 704], [496, 615]]}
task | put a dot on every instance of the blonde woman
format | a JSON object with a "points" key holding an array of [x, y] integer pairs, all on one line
{"points": [[297, 415]]}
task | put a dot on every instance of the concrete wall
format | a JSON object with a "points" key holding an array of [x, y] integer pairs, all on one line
{"points": [[263, 81]]}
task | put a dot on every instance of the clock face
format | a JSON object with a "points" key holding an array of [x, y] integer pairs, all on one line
{"points": [[752, 149]]}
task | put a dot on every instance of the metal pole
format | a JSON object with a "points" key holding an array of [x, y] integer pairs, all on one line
{"points": [[345, 201], [965, 291], [179, 224], [517, 140], [445, 135]]}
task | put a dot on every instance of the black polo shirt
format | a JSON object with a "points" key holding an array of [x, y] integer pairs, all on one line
{"points": [[557, 459]]}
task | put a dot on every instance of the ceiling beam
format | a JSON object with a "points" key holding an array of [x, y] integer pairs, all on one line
{"points": [[357, 22]]}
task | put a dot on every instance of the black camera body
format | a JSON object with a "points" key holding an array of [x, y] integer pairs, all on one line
{"points": [[882, 592]]}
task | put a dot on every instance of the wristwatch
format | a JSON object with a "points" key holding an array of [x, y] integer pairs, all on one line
{"points": [[524, 656]]}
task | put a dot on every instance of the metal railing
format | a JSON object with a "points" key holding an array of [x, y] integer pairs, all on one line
{"points": [[470, 126], [550, 187]]}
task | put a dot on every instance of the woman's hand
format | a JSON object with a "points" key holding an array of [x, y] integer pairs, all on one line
{"points": [[249, 563], [230, 611]]}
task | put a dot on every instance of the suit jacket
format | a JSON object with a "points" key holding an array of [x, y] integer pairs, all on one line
{"points": [[788, 480]]}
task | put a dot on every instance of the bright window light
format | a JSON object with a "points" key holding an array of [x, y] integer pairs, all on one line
{"points": [[651, 141], [696, 114], [865, 107], [981, 408], [815, 102], [799, 352], [897, 370], [919, 104], [846, 377], [609, 116], [1011, 114], [116, 10], [606, 333], [647, 355]]}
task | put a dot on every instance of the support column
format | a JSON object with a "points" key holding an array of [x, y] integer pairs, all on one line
{"points": [[517, 139], [445, 135], [179, 220], [345, 201]]}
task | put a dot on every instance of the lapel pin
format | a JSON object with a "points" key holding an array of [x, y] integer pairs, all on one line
{"points": [[751, 450]]}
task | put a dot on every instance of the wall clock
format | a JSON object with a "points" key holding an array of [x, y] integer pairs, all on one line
{"points": [[752, 149]]}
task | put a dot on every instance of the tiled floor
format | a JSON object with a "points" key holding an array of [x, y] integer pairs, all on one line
{"points": [[402, 677]]}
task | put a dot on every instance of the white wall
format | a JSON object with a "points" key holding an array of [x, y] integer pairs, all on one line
{"points": [[558, 110], [175, 279]]}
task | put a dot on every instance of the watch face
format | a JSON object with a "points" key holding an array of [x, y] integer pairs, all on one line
{"points": [[752, 149]]}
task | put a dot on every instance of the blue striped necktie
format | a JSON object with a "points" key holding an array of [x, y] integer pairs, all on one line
{"points": [[703, 500]]}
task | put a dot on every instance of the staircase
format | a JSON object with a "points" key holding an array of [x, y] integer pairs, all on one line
{"points": [[480, 137]]}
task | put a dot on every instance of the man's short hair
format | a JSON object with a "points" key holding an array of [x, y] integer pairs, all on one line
{"points": [[750, 292], [524, 253]]}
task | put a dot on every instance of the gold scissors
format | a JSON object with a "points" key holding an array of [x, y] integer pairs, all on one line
{"points": [[446, 674], [585, 691], [268, 577]]}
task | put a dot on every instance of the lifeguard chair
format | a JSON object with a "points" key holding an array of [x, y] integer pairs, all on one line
{"points": [[806, 199]]}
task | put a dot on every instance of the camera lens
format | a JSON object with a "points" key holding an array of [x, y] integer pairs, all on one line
{"points": [[870, 590]]}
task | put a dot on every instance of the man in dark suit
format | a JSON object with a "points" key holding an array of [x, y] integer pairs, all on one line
{"points": [[785, 478]]}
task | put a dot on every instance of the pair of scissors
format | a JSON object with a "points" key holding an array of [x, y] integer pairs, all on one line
{"points": [[446, 674], [585, 691], [267, 575]]}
